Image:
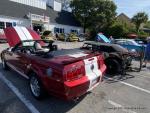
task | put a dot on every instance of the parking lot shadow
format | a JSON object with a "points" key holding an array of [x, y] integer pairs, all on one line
{"points": [[49, 103], [118, 77]]}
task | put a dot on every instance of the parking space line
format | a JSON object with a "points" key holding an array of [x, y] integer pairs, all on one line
{"points": [[127, 84], [120, 107], [27, 103], [136, 87]]}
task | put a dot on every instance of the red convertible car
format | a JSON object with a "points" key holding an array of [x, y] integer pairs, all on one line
{"points": [[65, 73]]}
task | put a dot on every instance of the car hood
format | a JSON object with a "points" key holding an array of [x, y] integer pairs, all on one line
{"points": [[16, 34]]}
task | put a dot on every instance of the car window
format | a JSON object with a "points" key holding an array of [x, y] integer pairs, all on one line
{"points": [[129, 43], [23, 47], [120, 42]]}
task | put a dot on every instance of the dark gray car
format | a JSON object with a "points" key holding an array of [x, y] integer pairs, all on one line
{"points": [[117, 58]]}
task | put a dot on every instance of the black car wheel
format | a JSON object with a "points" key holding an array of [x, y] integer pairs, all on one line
{"points": [[113, 66], [36, 87]]}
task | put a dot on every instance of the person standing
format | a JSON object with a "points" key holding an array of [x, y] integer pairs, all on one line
{"points": [[111, 39], [147, 53], [38, 31], [56, 35]]}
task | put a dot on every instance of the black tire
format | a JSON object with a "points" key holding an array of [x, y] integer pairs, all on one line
{"points": [[113, 66], [35, 83], [4, 65]]}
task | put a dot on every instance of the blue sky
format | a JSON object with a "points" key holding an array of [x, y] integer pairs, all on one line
{"points": [[131, 7]]}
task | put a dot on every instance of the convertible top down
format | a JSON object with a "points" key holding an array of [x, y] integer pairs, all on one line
{"points": [[67, 74]]}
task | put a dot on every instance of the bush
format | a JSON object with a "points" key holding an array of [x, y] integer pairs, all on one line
{"points": [[117, 30], [142, 34]]}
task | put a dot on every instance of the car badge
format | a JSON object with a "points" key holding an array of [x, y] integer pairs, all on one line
{"points": [[92, 67]]}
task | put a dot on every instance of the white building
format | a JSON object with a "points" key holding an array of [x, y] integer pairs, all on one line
{"points": [[38, 14]]}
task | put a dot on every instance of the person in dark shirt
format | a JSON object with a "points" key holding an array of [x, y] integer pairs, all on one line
{"points": [[147, 53], [38, 31]]}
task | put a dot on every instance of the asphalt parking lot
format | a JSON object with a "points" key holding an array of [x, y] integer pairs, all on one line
{"points": [[131, 94]]}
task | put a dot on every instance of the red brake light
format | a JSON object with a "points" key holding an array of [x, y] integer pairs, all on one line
{"points": [[74, 74]]}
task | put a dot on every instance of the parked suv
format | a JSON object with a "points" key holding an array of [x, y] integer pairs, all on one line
{"points": [[117, 58]]}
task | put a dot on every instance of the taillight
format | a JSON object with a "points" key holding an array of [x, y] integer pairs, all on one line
{"points": [[74, 73]]}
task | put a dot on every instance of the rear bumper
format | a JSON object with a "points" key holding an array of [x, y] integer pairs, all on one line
{"points": [[76, 88], [70, 90], [80, 87]]}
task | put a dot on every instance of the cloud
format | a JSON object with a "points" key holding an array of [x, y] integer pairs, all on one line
{"points": [[131, 7]]}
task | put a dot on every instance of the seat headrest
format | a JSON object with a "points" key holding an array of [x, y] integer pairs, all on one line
{"points": [[37, 46]]}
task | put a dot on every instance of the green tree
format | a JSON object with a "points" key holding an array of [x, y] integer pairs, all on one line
{"points": [[147, 25], [139, 19], [94, 14], [117, 30]]}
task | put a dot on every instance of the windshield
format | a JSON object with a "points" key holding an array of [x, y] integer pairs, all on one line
{"points": [[35, 47]]}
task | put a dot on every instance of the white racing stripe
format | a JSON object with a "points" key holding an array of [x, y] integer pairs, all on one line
{"points": [[77, 55], [26, 33], [136, 87], [22, 35], [127, 84], [92, 74], [118, 106], [27, 103]]}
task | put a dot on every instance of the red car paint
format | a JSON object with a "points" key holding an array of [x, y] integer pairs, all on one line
{"points": [[72, 74]]}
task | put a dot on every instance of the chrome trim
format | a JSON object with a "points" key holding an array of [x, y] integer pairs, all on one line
{"points": [[15, 69]]}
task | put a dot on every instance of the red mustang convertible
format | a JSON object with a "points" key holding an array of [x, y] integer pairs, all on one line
{"points": [[66, 73]]}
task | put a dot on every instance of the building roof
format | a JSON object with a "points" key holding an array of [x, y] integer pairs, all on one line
{"points": [[13, 9], [123, 17]]}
